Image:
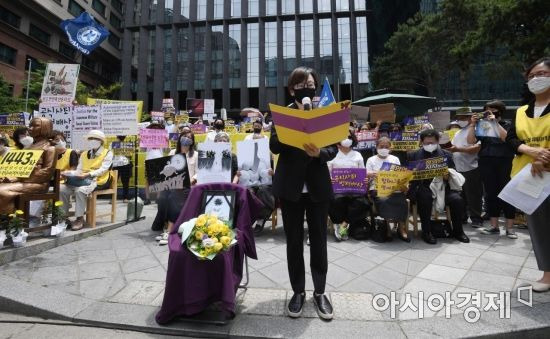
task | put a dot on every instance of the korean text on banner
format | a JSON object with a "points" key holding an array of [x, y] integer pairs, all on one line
{"points": [[321, 127], [85, 119], [428, 168], [61, 116], [59, 84], [366, 140], [94, 101], [153, 138], [391, 178], [19, 163], [119, 119], [349, 180], [404, 141], [382, 112]]}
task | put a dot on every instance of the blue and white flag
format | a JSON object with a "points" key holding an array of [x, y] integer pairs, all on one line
{"points": [[326, 97], [84, 33]]}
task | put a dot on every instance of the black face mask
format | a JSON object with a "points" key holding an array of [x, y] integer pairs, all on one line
{"points": [[218, 126], [257, 130], [301, 93]]}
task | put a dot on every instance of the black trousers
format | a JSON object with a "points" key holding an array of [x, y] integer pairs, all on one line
{"points": [[293, 221], [265, 195], [424, 203], [472, 191], [169, 205], [495, 174], [352, 209], [124, 173]]}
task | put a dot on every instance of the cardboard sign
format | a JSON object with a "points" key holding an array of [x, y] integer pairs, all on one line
{"points": [[254, 161], [120, 118], [366, 140], [167, 173], [404, 141], [321, 126], [59, 84], [19, 163], [214, 162], [359, 113], [391, 178], [428, 168], [153, 138], [349, 180], [382, 112], [439, 120]]}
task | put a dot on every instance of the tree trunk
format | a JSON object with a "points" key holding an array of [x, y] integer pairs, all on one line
{"points": [[464, 87]]}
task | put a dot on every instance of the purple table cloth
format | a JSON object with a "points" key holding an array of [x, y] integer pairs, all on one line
{"points": [[193, 284]]}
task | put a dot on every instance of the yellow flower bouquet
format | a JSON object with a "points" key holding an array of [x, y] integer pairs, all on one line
{"points": [[206, 236]]}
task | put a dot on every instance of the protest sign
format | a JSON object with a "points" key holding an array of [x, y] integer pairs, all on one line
{"points": [[14, 119], [349, 180], [231, 129], [359, 113], [120, 118], [440, 120], [428, 168], [199, 128], [181, 119], [61, 116], [366, 140], [94, 101], [209, 106], [391, 178], [321, 126], [487, 128], [85, 119], [8, 130], [167, 173], [214, 162], [173, 138], [125, 148], [153, 138], [157, 116], [246, 127], [382, 112], [59, 84], [404, 141], [19, 163], [254, 161]]}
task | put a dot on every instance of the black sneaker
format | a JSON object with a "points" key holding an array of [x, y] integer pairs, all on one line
{"points": [[323, 306], [429, 238], [296, 305]]}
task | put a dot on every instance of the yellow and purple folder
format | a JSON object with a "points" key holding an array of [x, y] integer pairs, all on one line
{"points": [[321, 126]]}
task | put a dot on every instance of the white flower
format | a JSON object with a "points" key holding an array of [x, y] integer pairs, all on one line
{"points": [[207, 242]]}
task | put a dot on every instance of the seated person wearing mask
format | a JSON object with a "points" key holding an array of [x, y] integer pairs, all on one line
{"points": [[421, 194], [91, 173], [22, 138], [4, 146], [67, 159], [257, 134], [348, 212]]}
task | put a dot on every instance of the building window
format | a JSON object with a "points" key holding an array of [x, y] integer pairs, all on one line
{"points": [[74, 8], [115, 21], [200, 56], [99, 7], [153, 11], [182, 57], [253, 8], [253, 55], [287, 7], [234, 56], [117, 4], [362, 50], [217, 56], [235, 8], [151, 54], [271, 7], [135, 49], [325, 49], [323, 6], [67, 50], [184, 10], [39, 34], [9, 17], [306, 6], [168, 10], [167, 69], [114, 40], [271, 54], [201, 10], [7, 54], [344, 50], [88, 63], [289, 47], [218, 9], [308, 52], [342, 5], [360, 5], [137, 12]]}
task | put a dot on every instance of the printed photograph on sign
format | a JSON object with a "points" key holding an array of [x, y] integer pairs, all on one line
{"points": [[167, 173], [214, 162], [254, 161], [60, 83]]}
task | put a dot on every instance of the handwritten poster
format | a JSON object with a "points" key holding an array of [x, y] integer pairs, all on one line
{"points": [[120, 118], [349, 180], [61, 116], [153, 138], [391, 178], [59, 84]]}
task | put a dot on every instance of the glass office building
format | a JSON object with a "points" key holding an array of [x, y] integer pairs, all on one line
{"points": [[240, 52]]}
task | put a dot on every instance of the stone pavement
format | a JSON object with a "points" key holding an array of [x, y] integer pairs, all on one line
{"points": [[116, 278]]}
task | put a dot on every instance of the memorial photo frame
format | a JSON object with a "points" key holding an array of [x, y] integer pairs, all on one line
{"points": [[219, 202]]}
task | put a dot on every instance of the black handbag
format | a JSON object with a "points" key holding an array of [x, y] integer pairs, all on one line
{"points": [[441, 228], [380, 230]]}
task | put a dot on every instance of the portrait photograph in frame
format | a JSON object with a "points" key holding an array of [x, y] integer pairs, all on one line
{"points": [[220, 203]]}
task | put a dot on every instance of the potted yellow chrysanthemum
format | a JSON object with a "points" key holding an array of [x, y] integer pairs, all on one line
{"points": [[16, 226]]}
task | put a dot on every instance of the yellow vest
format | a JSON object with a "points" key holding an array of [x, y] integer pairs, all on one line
{"points": [[535, 132], [63, 163], [89, 165]]}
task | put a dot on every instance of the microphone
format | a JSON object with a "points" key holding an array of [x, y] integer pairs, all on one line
{"points": [[306, 101]]}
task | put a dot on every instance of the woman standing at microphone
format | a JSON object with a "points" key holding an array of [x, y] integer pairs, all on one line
{"points": [[302, 183]]}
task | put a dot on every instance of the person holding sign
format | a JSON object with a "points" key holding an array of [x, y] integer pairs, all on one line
{"points": [[421, 194], [40, 130], [91, 173], [348, 211], [394, 206], [302, 183]]}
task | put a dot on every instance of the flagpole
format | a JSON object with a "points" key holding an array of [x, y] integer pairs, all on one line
{"points": [[28, 85]]}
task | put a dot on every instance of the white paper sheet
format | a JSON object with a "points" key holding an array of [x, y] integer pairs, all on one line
{"points": [[526, 192]]}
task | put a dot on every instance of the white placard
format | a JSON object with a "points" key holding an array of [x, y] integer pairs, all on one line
{"points": [[85, 119], [61, 116], [209, 106], [119, 119], [59, 84], [214, 162], [254, 160]]}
